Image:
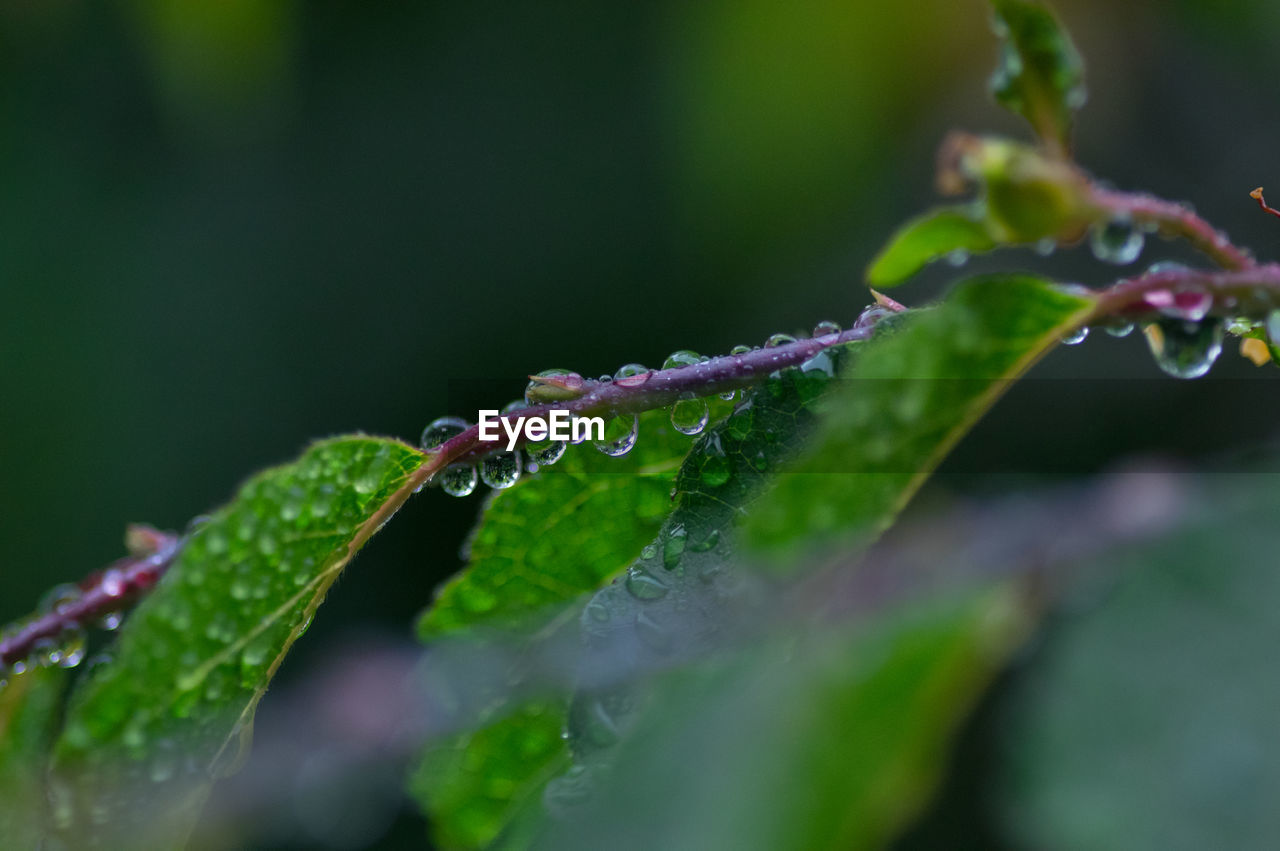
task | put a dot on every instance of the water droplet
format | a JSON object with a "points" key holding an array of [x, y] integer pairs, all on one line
{"points": [[1076, 337], [820, 363], [71, 646], [778, 340], [620, 434], [684, 357], [1185, 349], [546, 452], [440, 430], [673, 546], [459, 479], [111, 621], [97, 660], [134, 736], [501, 470], [649, 551], [267, 545], [164, 761], [291, 508], [59, 598], [240, 589], [1166, 266], [598, 728], [322, 501], [740, 350], [571, 789], [1121, 330], [690, 416], [1273, 326], [714, 471], [254, 658], [653, 633], [708, 543], [871, 315], [632, 375], [563, 384], [1046, 246], [215, 541], [597, 611], [728, 395], [644, 586], [825, 328], [957, 257], [113, 584], [45, 653], [1117, 241]]}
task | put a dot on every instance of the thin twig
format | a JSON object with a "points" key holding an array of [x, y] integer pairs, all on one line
{"points": [[1262, 202]]}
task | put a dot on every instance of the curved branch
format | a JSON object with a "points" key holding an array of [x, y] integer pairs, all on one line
{"points": [[1174, 220]]}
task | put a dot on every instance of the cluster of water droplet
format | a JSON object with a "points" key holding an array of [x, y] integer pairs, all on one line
{"points": [[1185, 339], [64, 650], [690, 414]]}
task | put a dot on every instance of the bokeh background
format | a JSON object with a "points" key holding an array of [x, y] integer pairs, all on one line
{"points": [[229, 228]]}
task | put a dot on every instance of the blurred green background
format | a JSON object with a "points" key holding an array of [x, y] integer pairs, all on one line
{"points": [[229, 228]]}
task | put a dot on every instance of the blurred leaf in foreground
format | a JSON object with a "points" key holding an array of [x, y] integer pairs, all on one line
{"points": [[826, 740], [1149, 717]]}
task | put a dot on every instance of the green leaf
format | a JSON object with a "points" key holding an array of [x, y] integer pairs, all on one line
{"points": [[1039, 75], [147, 733], [539, 548], [906, 401], [724, 469], [830, 739], [926, 238], [1026, 196], [566, 531], [29, 715], [1148, 719]]}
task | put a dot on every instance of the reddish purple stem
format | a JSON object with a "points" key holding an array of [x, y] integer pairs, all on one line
{"points": [[1253, 292], [662, 388], [110, 590], [1175, 220]]}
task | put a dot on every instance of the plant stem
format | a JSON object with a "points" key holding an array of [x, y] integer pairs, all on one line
{"points": [[661, 388], [110, 590], [1253, 291], [1174, 220]]}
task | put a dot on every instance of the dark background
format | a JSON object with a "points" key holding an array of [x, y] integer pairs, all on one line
{"points": [[229, 228]]}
